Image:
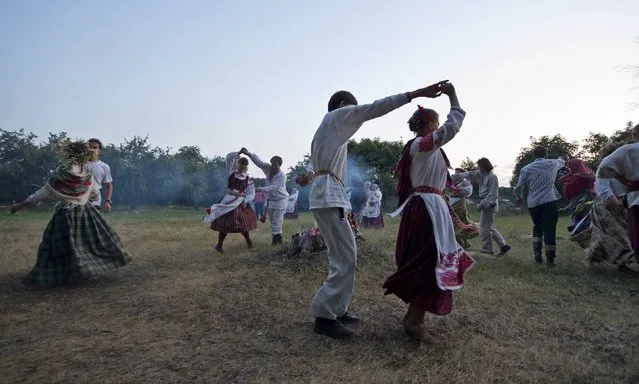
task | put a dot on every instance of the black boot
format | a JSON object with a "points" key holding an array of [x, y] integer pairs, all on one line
{"points": [[331, 328], [504, 249], [278, 239], [550, 258], [274, 241], [537, 251], [348, 318]]}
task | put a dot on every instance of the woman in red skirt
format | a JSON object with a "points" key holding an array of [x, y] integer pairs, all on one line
{"points": [[430, 262], [233, 213]]}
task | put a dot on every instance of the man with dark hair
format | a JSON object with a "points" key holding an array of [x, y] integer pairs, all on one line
{"points": [[329, 201], [101, 175], [539, 177], [276, 190], [489, 205]]}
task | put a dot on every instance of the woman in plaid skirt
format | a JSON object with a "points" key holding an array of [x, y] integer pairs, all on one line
{"points": [[233, 214], [77, 243]]}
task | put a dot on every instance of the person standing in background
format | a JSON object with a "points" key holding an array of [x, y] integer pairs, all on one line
{"points": [[101, 176]]}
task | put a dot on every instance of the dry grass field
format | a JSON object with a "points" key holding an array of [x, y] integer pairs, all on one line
{"points": [[180, 313]]}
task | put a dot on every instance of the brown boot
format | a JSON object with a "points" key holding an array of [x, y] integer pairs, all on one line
{"points": [[415, 328]]}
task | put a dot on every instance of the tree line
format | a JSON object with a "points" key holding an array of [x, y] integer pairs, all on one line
{"points": [[146, 175]]}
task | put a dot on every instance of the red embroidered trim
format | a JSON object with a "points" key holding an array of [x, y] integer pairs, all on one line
{"points": [[456, 264]]}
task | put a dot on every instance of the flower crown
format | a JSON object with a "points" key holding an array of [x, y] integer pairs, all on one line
{"points": [[74, 152]]}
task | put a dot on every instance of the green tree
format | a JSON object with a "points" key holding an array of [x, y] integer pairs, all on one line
{"points": [[375, 160], [468, 165]]}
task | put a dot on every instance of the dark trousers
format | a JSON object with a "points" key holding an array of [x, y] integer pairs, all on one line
{"points": [[633, 228], [545, 218]]}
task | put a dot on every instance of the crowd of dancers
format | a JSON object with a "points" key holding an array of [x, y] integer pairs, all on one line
{"points": [[434, 232]]}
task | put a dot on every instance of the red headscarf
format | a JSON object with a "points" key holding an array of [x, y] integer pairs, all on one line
{"points": [[581, 179], [579, 169]]}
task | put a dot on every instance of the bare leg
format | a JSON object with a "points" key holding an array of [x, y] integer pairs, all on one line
{"points": [[248, 239], [220, 242], [414, 325]]}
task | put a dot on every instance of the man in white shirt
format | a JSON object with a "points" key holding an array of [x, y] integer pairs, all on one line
{"points": [[329, 201], [276, 190], [101, 176]]}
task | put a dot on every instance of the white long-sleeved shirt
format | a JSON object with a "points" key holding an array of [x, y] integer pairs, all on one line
{"points": [[608, 188], [275, 186], [329, 148], [624, 162], [428, 167]]}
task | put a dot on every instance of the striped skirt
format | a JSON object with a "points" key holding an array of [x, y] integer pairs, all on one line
{"points": [[240, 220]]}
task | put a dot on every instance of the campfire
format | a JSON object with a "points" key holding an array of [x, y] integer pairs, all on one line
{"points": [[310, 240]]}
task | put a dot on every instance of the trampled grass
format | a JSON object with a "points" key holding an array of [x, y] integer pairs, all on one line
{"points": [[180, 313]]}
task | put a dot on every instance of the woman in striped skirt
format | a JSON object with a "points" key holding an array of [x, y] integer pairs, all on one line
{"points": [[233, 214]]}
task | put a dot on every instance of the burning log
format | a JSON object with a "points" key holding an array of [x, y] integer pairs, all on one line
{"points": [[311, 241]]}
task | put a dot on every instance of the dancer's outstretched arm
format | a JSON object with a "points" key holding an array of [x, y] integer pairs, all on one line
{"points": [[264, 166], [41, 194]]}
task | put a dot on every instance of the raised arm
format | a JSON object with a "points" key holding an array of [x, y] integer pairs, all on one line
{"points": [[457, 177], [447, 131], [352, 116], [278, 180], [466, 189], [264, 166], [231, 162], [38, 196]]}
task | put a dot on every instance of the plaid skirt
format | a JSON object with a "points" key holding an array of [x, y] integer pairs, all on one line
{"points": [[77, 244], [239, 220]]}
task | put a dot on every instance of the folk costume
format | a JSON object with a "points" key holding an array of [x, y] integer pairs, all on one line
{"points": [[233, 214], [291, 208], [579, 191], [276, 194], [430, 262], [329, 205], [458, 195], [78, 243], [372, 213], [609, 239], [623, 165]]}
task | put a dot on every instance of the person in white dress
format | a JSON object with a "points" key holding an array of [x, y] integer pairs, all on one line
{"points": [[372, 214], [291, 208]]}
